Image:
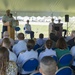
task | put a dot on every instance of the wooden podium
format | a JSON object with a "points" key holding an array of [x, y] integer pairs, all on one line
{"points": [[57, 29], [11, 28], [11, 32]]}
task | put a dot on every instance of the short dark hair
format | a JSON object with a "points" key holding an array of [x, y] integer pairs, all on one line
{"points": [[49, 44], [20, 36], [11, 14], [30, 44], [53, 37], [27, 20], [41, 35], [59, 20]]}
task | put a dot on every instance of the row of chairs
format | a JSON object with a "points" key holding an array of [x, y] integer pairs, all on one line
{"points": [[32, 64], [65, 60], [18, 29], [62, 71]]}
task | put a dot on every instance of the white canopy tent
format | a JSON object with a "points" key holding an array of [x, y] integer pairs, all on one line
{"points": [[38, 7]]}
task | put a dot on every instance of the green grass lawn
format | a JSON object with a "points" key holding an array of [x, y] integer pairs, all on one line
{"points": [[36, 28]]}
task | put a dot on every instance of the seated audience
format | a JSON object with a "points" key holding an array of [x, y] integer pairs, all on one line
{"points": [[6, 67], [6, 35], [48, 66], [73, 54], [53, 37], [7, 44], [61, 47], [40, 41], [21, 45], [48, 51], [24, 56], [71, 42]]}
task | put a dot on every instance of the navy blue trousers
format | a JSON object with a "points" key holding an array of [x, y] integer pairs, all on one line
{"points": [[31, 34], [4, 29]]}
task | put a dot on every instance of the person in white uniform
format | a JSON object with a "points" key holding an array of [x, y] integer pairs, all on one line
{"points": [[50, 26], [48, 51], [28, 30], [6, 43], [40, 41], [24, 56], [21, 45]]}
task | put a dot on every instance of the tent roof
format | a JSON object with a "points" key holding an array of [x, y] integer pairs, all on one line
{"points": [[39, 7]]}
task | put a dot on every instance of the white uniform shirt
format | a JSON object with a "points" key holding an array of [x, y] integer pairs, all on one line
{"points": [[73, 54], [40, 42], [47, 52], [20, 46], [24, 57], [50, 27], [6, 18], [12, 56], [27, 27]]}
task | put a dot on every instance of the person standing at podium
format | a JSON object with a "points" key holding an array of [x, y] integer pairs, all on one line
{"points": [[8, 20], [5, 20]]}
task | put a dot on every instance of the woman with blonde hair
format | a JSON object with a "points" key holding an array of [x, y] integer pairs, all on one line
{"points": [[6, 67]]}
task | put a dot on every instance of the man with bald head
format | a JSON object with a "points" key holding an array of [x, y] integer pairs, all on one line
{"points": [[6, 35]]}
